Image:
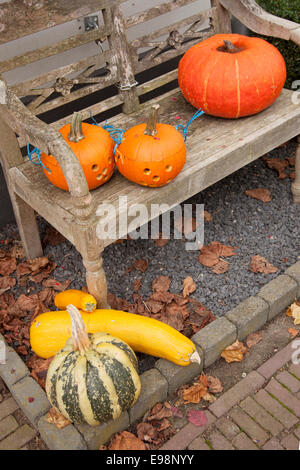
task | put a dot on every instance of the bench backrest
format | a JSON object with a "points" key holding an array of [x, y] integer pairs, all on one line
{"points": [[123, 70]]}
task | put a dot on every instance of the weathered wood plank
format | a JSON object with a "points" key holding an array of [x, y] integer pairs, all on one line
{"points": [[258, 20], [153, 12], [25, 88], [53, 49], [19, 19], [222, 19]]}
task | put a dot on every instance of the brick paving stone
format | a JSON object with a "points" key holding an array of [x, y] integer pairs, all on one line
{"points": [[295, 370], [187, 434], [290, 442], [275, 408], [218, 441], [7, 407], [242, 442], [284, 396], [289, 381], [198, 444], [7, 426], [261, 416], [273, 444], [297, 432], [249, 426], [18, 439], [227, 427], [276, 362], [241, 390]]}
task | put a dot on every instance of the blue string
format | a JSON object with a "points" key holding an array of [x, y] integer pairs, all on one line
{"points": [[37, 152], [185, 128], [115, 133]]}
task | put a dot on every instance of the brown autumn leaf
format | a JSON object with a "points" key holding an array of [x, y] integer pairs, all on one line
{"points": [[56, 285], [159, 414], [55, 417], [6, 283], [262, 194], [146, 432], [221, 267], [278, 165], [162, 296], [291, 161], [27, 303], [222, 250], [235, 352], [154, 306], [261, 265], [17, 250], [141, 265], [8, 265], [207, 258], [175, 320], [195, 393], [188, 286], [294, 312], [210, 256], [126, 441], [214, 384], [137, 285], [161, 284], [293, 332], [253, 339]]}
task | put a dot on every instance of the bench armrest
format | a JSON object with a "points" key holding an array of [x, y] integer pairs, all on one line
{"points": [[47, 139], [258, 20]]}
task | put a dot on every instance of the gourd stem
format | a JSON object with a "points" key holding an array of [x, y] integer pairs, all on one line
{"points": [[76, 134], [229, 47], [152, 120], [79, 334]]}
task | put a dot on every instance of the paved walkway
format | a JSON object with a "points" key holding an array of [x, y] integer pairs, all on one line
{"points": [[15, 430], [262, 411]]}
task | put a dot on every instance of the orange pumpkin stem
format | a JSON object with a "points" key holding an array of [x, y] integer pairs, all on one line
{"points": [[229, 47], [76, 134], [152, 121]]}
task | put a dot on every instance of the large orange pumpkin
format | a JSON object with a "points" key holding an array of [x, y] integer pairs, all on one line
{"points": [[151, 154], [93, 147], [230, 75]]}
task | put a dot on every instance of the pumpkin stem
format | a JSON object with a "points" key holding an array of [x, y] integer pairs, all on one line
{"points": [[79, 334], [152, 120], [76, 134], [229, 47]]}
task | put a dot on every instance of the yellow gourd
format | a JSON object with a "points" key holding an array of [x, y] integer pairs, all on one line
{"points": [[79, 299], [50, 331]]}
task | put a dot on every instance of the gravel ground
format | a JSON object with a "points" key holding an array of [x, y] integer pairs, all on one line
{"points": [[268, 229]]}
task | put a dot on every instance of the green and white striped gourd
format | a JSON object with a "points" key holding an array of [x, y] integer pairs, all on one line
{"points": [[94, 378]]}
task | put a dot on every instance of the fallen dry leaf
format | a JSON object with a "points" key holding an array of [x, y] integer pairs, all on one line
{"points": [[6, 283], [55, 417], [235, 352], [221, 267], [197, 417], [262, 194], [209, 397], [194, 393], [278, 165], [253, 339], [8, 265], [141, 265], [261, 265], [188, 286], [294, 312], [56, 285], [214, 384], [146, 432], [126, 441], [293, 332], [161, 284]]}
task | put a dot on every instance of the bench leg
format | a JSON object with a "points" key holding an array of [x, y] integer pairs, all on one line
{"points": [[96, 280], [296, 183], [28, 228]]}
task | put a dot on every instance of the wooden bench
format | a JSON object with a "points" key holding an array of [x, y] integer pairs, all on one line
{"points": [[215, 147]]}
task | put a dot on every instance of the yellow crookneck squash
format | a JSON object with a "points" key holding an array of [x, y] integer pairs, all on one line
{"points": [[79, 299], [49, 332]]}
